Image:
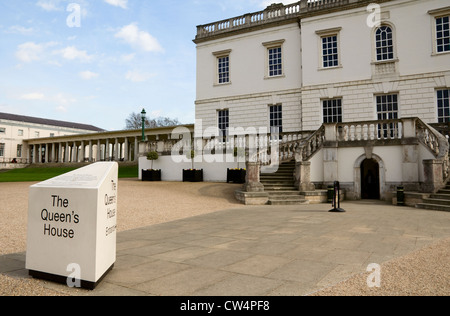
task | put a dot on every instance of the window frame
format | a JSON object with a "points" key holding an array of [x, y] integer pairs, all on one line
{"points": [[333, 32], [218, 56], [444, 118], [392, 127], [276, 109], [19, 150], [392, 46], [222, 124], [436, 14], [339, 106], [278, 44]]}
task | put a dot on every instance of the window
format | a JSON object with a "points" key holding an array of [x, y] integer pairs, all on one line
{"points": [[443, 101], [2, 150], [2, 130], [36, 134], [332, 111], [330, 55], [276, 119], [443, 34], [441, 30], [223, 122], [20, 132], [274, 58], [384, 43], [19, 151], [52, 134], [275, 62], [224, 69], [387, 109], [329, 47]]}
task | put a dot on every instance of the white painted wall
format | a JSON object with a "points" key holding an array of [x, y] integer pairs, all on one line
{"points": [[418, 74], [11, 138], [214, 167], [248, 63], [250, 92]]}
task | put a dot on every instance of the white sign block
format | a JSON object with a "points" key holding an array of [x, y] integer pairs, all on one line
{"points": [[72, 221]]}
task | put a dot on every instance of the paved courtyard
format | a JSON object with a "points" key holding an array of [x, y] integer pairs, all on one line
{"points": [[253, 251]]}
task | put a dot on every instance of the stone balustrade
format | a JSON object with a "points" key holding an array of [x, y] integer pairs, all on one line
{"points": [[273, 13]]}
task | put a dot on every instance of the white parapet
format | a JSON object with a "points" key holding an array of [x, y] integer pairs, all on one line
{"points": [[72, 221]]}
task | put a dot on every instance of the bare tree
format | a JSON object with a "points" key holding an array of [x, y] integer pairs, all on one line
{"points": [[134, 121]]}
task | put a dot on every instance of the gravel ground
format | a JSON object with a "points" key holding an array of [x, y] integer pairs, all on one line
{"points": [[141, 204]]}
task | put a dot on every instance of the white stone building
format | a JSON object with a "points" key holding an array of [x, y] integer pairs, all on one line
{"points": [[16, 130], [366, 77]]}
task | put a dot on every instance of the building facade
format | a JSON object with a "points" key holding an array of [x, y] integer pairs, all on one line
{"points": [[364, 77], [16, 130], [295, 67]]}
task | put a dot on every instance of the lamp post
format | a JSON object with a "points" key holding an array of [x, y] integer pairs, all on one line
{"points": [[143, 115]]}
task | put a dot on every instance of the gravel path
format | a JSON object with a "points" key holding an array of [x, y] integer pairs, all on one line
{"points": [[141, 204]]}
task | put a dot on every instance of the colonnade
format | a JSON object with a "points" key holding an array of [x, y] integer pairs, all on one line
{"points": [[92, 150]]}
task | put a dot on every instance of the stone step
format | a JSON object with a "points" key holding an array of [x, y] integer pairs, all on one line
{"points": [[276, 175], [289, 183], [440, 196], [287, 173], [279, 188], [288, 201], [283, 193], [434, 207], [277, 181], [435, 201]]}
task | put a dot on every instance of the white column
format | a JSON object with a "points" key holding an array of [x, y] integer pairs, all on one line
{"points": [[39, 156], [82, 152], [107, 150], [125, 154], [34, 154], [136, 149], [53, 152], [74, 152], [60, 156], [67, 153], [116, 150], [90, 151], [99, 145]]}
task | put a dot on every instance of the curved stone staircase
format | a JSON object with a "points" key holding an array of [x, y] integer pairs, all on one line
{"points": [[280, 186], [437, 202]]}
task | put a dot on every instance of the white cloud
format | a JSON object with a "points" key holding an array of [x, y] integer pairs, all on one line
{"points": [[118, 3], [72, 53], [62, 102], [18, 29], [49, 5], [32, 96], [88, 75], [140, 39], [29, 52], [128, 58], [136, 76]]}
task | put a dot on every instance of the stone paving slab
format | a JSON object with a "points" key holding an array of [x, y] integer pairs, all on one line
{"points": [[262, 251]]}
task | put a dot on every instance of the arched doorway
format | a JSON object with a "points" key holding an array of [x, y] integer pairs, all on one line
{"points": [[370, 180]]}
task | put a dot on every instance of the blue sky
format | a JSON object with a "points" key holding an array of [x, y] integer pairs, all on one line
{"points": [[118, 57]]}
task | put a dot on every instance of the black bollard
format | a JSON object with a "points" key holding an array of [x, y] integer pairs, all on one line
{"points": [[337, 199], [401, 196]]}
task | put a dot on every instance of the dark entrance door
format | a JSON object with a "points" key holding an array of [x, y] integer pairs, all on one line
{"points": [[370, 180]]}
